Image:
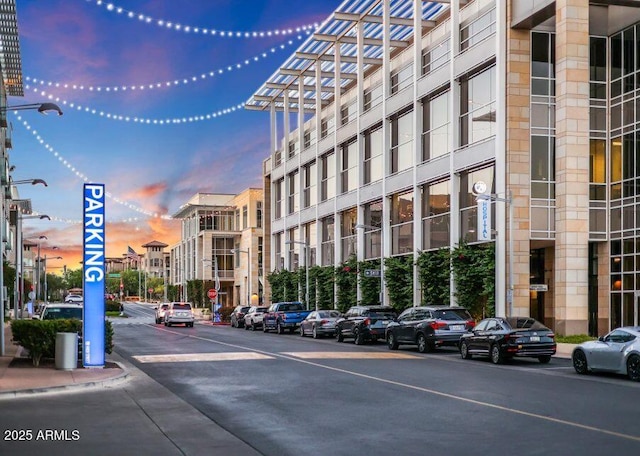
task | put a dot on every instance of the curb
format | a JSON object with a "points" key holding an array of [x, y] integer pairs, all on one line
{"points": [[123, 376]]}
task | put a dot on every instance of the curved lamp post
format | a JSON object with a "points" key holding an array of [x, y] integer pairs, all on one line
{"points": [[37, 274], [46, 296], [42, 108]]}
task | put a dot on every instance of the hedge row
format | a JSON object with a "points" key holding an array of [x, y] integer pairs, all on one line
{"points": [[39, 336]]}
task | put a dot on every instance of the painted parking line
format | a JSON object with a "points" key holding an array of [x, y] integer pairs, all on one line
{"points": [[194, 357], [349, 355]]}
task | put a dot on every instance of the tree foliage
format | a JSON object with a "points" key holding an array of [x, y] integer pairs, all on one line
{"points": [[346, 278], [399, 281], [474, 273], [434, 273]]}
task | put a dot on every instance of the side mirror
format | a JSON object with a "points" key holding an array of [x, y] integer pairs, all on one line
{"points": [[601, 338]]}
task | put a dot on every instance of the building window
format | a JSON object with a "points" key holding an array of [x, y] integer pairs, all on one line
{"points": [[237, 214], [293, 148], [278, 244], [478, 29], [372, 97], [328, 184], [401, 78], [372, 236], [328, 236], [311, 239], [348, 112], [309, 138], [327, 127], [436, 207], [402, 142], [260, 257], [373, 155], [293, 199], [310, 184], [478, 107], [435, 127], [278, 195], [402, 223], [259, 213], [349, 168], [245, 216], [468, 202], [436, 56], [348, 221]]}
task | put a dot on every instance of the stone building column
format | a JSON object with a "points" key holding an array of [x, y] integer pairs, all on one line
{"points": [[572, 166]]}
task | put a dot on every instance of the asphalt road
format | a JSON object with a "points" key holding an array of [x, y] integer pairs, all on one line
{"points": [[286, 395]]}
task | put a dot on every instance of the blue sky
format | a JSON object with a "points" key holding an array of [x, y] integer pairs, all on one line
{"points": [[154, 168]]}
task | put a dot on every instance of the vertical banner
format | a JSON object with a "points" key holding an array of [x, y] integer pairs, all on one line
{"points": [[93, 277], [484, 219]]}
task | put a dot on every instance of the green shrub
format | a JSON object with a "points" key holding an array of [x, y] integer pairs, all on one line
{"points": [[225, 313], [575, 339], [112, 306], [39, 336]]}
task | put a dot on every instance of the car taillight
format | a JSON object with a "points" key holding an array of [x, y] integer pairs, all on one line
{"points": [[323, 322], [471, 324], [438, 324], [551, 335], [367, 321]]}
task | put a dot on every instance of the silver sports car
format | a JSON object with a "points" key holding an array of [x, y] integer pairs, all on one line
{"points": [[618, 351]]}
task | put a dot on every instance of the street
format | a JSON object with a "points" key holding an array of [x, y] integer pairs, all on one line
{"points": [[291, 395]]}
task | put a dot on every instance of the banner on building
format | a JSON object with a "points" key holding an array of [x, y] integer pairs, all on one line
{"points": [[484, 219]]}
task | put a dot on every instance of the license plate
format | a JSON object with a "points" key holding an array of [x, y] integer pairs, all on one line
{"points": [[534, 338], [457, 327]]}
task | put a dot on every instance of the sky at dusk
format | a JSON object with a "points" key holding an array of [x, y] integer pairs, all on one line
{"points": [[154, 168]]}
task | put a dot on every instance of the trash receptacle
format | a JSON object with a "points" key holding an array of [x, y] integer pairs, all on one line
{"points": [[66, 350]]}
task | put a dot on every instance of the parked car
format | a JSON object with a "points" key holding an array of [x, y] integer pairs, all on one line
{"points": [[617, 352], [284, 315], [160, 312], [364, 323], [237, 316], [504, 338], [74, 298], [61, 311], [320, 323], [429, 327], [253, 318], [179, 313]]}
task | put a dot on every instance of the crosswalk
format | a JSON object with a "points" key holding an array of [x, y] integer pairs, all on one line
{"points": [[133, 320], [248, 355]]}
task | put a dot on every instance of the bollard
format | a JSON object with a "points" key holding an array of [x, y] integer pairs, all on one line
{"points": [[66, 350]]}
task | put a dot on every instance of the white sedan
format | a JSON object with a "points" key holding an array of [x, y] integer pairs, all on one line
{"points": [[74, 298], [618, 352]]}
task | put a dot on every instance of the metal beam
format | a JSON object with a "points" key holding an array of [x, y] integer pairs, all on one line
{"points": [[281, 86], [343, 58], [311, 73], [352, 40], [355, 17]]}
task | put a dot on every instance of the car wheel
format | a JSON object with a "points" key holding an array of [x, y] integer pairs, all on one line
{"points": [[264, 328], [358, 338], [633, 368], [544, 359], [165, 322], [580, 362], [246, 327], [314, 333], [157, 321], [464, 351], [301, 331], [279, 329], [339, 336], [496, 355], [253, 326], [423, 345], [392, 342]]}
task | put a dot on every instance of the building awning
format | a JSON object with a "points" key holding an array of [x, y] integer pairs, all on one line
{"points": [[338, 33]]}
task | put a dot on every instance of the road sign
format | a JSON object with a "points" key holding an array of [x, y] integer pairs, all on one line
{"points": [[121, 286], [150, 290], [113, 276], [212, 293], [372, 272]]}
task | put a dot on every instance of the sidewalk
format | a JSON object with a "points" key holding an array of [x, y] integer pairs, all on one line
{"points": [[24, 379]]}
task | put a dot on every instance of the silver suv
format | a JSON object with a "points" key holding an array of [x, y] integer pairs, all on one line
{"points": [[179, 313], [160, 312]]}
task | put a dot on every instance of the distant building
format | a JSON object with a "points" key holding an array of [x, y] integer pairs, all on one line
{"points": [[223, 230], [153, 260]]}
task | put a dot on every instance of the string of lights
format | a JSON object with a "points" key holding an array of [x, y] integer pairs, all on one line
{"points": [[140, 120], [157, 85], [176, 26], [66, 163], [78, 222]]}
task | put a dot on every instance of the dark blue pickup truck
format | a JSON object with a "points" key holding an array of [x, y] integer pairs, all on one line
{"points": [[284, 315]]}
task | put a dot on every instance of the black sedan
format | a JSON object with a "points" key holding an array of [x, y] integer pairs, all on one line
{"points": [[429, 327], [504, 338]]}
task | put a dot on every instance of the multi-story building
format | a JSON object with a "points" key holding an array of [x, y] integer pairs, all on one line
{"points": [[153, 259], [375, 125], [223, 233]]}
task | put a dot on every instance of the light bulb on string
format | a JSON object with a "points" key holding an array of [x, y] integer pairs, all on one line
{"points": [[176, 26], [83, 176], [163, 84]]}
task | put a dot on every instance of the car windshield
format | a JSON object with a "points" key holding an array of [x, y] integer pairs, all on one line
{"points": [[328, 314], [452, 314], [381, 314], [290, 307], [182, 306], [57, 313]]}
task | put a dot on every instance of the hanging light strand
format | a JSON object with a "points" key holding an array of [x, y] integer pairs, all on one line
{"points": [[177, 27], [135, 119], [66, 163], [164, 84]]}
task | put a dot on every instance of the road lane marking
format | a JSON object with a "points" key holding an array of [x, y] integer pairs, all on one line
{"points": [[427, 390], [193, 357], [350, 355]]}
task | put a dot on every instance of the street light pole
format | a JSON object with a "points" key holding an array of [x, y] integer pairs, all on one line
{"points": [[306, 270], [248, 252], [46, 295], [37, 274], [361, 226]]}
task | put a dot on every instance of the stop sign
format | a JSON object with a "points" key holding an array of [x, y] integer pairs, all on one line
{"points": [[212, 293]]}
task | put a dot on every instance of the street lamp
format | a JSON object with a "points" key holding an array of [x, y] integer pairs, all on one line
{"points": [[361, 226], [306, 270], [509, 202], [42, 108], [46, 296], [248, 252], [37, 274], [29, 181]]}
